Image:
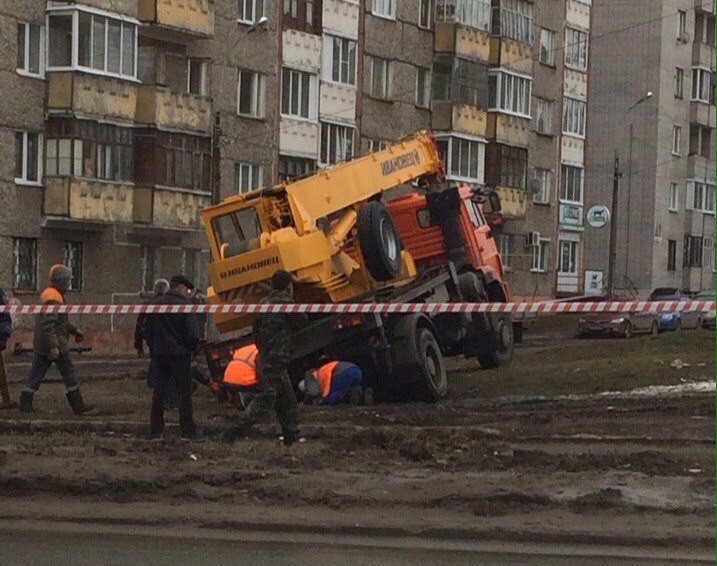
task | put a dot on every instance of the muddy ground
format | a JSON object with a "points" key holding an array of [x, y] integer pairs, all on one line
{"points": [[605, 441]]}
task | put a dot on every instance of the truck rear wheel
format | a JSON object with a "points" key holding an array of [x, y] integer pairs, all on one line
{"points": [[432, 367], [379, 241], [503, 342]]}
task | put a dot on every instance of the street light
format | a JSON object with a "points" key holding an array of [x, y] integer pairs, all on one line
{"points": [[261, 21], [615, 187]]}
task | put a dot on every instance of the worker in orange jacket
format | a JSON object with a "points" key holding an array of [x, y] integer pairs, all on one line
{"points": [[333, 383], [241, 373]]}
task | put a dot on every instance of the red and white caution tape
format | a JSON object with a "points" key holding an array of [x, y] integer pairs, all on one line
{"points": [[548, 307]]}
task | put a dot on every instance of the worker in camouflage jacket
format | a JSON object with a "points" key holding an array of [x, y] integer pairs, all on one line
{"points": [[272, 336]]}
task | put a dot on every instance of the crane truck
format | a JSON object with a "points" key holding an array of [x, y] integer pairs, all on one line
{"points": [[342, 243]]}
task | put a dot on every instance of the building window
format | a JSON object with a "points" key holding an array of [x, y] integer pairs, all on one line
{"points": [[539, 256], [384, 8], [302, 15], [544, 178], [183, 161], [700, 197], [460, 81], [72, 258], [247, 177], [147, 270], [674, 196], [197, 76], [679, 83], [88, 149], [572, 184], [423, 87], [376, 145], [340, 60], [250, 98], [671, 255], [337, 143], [705, 28], [510, 93], [681, 23], [513, 167], [473, 13], [295, 167], [568, 254], [693, 251], [515, 20], [424, 14], [703, 85], [191, 267], [544, 116], [24, 276], [700, 140], [676, 139], [464, 159], [30, 49], [250, 11], [547, 47], [381, 79], [505, 245], [576, 49], [28, 157], [708, 253], [574, 117], [298, 94], [96, 42]]}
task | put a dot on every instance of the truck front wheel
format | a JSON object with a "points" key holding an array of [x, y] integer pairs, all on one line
{"points": [[502, 341], [379, 241], [432, 367]]}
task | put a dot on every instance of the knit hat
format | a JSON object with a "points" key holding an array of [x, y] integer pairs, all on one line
{"points": [[60, 276], [281, 280]]}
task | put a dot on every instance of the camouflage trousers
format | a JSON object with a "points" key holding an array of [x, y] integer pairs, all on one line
{"points": [[276, 393]]}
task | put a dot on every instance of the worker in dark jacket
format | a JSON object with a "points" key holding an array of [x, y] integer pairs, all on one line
{"points": [[5, 331], [51, 345], [172, 340], [272, 336], [161, 286]]}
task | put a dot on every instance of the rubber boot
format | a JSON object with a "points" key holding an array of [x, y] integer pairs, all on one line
{"points": [[26, 402], [230, 435], [74, 398]]}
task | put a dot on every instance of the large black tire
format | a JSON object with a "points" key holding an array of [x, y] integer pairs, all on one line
{"points": [[379, 241], [471, 287], [503, 339], [432, 368]]}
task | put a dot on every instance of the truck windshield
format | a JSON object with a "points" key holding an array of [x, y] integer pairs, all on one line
{"points": [[237, 232]]}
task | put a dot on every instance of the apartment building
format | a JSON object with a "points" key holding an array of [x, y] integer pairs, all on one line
{"points": [[664, 142]]}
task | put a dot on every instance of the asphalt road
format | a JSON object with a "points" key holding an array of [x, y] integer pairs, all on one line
{"points": [[35, 543]]}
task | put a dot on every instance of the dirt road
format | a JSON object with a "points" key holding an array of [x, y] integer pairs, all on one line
{"points": [[579, 442]]}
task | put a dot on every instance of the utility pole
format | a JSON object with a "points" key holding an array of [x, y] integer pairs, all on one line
{"points": [[613, 227]]}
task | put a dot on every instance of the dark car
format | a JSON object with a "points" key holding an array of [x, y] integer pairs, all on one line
{"points": [[675, 320], [613, 324], [708, 318]]}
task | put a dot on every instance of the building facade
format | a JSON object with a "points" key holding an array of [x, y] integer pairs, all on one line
{"points": [[123, 118], [655, 111]]}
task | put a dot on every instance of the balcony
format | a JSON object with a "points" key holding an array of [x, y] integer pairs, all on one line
{"points": [[457, 117], [465, 41], [166, 109], [703, 55], [172, 19], [86, 95], [702, 113], [511, 130], [514, 202], [88, 200], [705, 6], [511, 55], [165, 208]]}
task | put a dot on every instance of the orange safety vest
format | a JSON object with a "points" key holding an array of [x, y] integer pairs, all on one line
{"points": [[52, 295], [323, 375], [241, 371]]}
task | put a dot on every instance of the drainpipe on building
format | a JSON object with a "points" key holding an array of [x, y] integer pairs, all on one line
{"points": [[216, 158]]}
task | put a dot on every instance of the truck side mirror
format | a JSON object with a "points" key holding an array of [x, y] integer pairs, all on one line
{"points": [[494, 200]]}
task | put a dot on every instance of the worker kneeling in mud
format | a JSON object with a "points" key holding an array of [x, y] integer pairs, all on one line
{"points": [[240, 375], [333, 383]]}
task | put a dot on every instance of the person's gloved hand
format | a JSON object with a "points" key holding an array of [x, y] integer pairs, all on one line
{"points": [[79, 336], [54, 354]]}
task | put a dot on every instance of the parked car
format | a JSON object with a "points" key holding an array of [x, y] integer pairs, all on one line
{"points": [[675, 320], [708, 319], [623, 325]]}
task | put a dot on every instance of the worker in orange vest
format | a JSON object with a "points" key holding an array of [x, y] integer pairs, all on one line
{"points": [[333, 383], [240, 374]]}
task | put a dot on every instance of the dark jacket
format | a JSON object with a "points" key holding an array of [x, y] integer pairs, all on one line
{"points": [[170, 335], [272, 333], [139, 328], [52, 330], [5, 323]]}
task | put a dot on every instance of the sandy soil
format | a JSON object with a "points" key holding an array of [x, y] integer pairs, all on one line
{"points": [[537, 451]]}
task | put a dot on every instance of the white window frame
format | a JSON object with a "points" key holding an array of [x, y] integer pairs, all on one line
{"points": [[700, 92], [516, 20], [511, 80], [576, 49], [545, 176], [257, 87], [573, 256], [574, 116], [550, 47], [25, 69], [203, 65], [425, 101], [313, 102], [674, 198], [387, 79], [346, 46], [16, 261], [472, 13], [505, 245], [331, 150], [242, 9], [78, 269], [563, 184], [479, 179], [384, 9], [429, 11], [254, 177], [679, 83], [541, 253], [544, 109], [23, 180], [700, 196], [676, 140], [708, 254]]}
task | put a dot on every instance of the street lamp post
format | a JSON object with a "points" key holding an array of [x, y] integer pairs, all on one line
{"points": [[615, 203]]}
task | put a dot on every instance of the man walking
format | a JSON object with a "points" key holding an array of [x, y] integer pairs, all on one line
{"points": [[51, 345], [172, 339], [5, 331], [272, 336]]}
